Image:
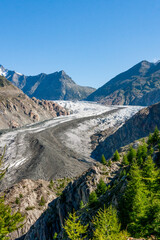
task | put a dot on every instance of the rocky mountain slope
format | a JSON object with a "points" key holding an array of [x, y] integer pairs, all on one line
{"points": [[140, 125], [140, 85], [115, 177], [52, 86], [17, 109], [31, 198]]}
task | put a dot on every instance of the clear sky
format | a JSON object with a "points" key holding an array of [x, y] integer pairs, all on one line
{"points": [[91, 40]]}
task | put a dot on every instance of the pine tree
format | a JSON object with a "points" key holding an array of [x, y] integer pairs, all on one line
{"points": [[9, 221], [134, 202], [116, 156], [101, 188], [103, 160], [74, 229], [131, 154], [109, 163], [149, 141], [142, 153], [155, 136], [93, 199], [125, 160], [106, 225], [149, 173]]}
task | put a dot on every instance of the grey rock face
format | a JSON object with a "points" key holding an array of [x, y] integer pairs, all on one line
{"points": [[52, 220], [140, 85], [139, 126]]}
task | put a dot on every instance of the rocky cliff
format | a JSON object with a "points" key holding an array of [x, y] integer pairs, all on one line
{"points": [[17, 109], [52, 220], [140, 125], [140, 85], [54, 86]]}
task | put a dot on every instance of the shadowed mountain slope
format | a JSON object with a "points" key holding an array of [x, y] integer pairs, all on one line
{"points": [[136, 86], [139, 126]]}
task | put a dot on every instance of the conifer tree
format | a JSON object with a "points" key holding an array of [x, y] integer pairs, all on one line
{"points": [[149, 173], [9, 221], [116, 156], [103, 160], [101, 188], [149, 139], [142, 152], [125, 160], [155, 136], [106, 225], [135, 197], [73, 227], [93, 199], [131, 154]]}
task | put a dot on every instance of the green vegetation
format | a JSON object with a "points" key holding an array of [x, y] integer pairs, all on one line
{"points": [[30, 208], [103, 160], [101, 188], [125, 160], [9, 221], [131, 155], [138, 206], [20, 195], [93, 199], [81, 205], [59, 185], [116, 156], [17, 201], [42, 201], [106, 225], [74, 229], [109, 163], [51, 184]]}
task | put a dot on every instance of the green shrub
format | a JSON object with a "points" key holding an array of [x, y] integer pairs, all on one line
{"points": [[42, 201], [20, 195], [30, 208], [17, 200]]}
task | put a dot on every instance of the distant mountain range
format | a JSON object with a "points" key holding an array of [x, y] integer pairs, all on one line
{"points": [[140, 85], [54, 86]]}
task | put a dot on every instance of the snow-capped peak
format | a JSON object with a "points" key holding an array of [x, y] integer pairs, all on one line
{"points": [[3, 71]]}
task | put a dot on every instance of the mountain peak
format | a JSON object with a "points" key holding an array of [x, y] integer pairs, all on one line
{"points": [[62, 72]]}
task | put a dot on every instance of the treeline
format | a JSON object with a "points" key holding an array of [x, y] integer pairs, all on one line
{"points": [[138, 211]]}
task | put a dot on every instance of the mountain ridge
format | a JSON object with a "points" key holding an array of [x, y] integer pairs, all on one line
{"points": [[52, 86], [17, 109], [128, 88]]}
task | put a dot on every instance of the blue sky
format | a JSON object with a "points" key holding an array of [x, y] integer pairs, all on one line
{"points": [[91, 40]]}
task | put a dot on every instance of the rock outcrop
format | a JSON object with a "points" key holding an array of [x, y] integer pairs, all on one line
{"points": [[140, 85], [17, 109], [31, 198], [52, 219]]}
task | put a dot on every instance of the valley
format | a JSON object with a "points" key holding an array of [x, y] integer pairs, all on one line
{"points": [[59, 147]]}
